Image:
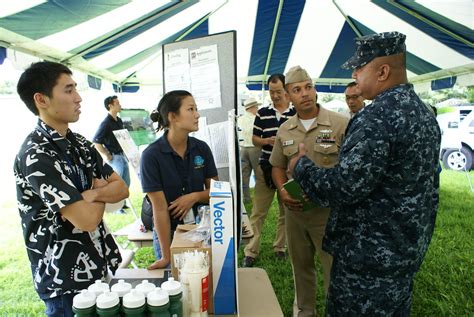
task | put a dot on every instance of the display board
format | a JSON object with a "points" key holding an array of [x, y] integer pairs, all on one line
{"points": [[206, 67]]}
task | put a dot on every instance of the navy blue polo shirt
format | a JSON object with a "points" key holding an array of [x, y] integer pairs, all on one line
{"points": [[162, 169], [105, 134]]}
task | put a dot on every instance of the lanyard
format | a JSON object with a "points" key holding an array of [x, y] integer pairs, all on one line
{"points": [[77, 175]]}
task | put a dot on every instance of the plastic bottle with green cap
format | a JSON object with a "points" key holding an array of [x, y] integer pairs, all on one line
{"points": [[98, 287], [175, 291], [145, 287], [133, 304], [158, 303], [108, 304], [83, 304]]}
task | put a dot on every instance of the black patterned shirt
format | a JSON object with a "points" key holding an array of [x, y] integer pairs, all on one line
{"points": [[384, 191], [51, 171]]}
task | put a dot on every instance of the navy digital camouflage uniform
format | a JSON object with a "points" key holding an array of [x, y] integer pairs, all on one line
{"points": [[384, 197]]}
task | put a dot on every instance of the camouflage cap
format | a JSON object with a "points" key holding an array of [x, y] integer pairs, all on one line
{"points": [[296, 74], [375, 45]]}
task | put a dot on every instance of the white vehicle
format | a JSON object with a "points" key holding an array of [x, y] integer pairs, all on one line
{"points": [[457, 141]]}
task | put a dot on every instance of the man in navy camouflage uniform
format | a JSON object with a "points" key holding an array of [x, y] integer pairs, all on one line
{"points": [[384, 191]]}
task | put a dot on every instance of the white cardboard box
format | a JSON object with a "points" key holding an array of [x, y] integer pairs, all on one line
{"points": [[224, 249]]}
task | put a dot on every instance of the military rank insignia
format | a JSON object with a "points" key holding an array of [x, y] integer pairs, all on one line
{"points": [[325, 137]]}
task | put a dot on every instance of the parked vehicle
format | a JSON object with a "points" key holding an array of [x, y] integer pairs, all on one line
{"points": [[457, 142]]}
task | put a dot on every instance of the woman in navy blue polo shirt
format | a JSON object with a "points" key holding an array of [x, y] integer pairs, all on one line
{"points": [[176, 170]]}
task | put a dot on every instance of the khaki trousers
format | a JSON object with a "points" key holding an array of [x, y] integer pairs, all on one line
{"points": [[261, 204], [304, 233], [248, 161]]}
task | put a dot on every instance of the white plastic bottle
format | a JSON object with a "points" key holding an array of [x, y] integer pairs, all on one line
{"points": [[145, 287], [108, 304], [83, 304], [121, 288], [195, 279], [134, 304], [98, 287]]}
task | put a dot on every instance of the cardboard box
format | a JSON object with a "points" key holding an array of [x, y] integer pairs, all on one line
{"points": [[179, 245], [224, 249]]}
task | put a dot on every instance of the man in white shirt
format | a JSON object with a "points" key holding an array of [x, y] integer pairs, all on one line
{"points": [[249, 153]]}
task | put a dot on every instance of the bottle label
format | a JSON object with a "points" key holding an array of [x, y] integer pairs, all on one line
{"points": [[205, 293]]}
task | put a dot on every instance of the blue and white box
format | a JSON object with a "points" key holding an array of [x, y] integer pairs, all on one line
{"points": [[224, 249]]}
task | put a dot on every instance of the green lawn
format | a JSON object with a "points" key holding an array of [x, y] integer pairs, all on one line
{"points": [[443, 287]]}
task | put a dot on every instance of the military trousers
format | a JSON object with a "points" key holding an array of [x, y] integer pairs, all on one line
{"points": [[355, 293], [305, 232], [249, 162], [261, 204]]}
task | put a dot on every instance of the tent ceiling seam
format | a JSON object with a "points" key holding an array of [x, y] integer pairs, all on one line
{"points": [[58, 60], [124, 32], [431, 23]]}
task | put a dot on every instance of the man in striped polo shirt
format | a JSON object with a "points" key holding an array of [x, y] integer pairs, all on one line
{"points": [[266, 125]]}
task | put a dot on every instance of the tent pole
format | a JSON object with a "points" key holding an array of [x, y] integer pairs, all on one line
{"points": [[353, 27], [272, 42]]}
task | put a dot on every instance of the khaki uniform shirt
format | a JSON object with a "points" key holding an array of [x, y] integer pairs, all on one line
{"points": [[322, 140]]}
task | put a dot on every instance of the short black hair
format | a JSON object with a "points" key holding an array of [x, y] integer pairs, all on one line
{"points": [[108, 101], [274, 78], [351, 84], [40, 77]]}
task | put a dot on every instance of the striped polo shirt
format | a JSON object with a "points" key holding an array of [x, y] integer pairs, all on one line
{"points": [[266, 125]]}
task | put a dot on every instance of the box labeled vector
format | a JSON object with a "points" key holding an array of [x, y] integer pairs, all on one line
{"points": [[224, 264]]}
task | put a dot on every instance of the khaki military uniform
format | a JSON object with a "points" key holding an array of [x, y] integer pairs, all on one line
{"points": [[305, 230]]}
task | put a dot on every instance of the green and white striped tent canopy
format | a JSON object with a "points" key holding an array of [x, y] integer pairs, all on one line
{"points": [[120, 41]]}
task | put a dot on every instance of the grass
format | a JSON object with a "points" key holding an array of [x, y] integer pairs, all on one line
{"points": [[443, 287], [446, 110]]}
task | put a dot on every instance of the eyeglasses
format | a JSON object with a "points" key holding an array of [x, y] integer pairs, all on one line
{"points": [[348, 97]]}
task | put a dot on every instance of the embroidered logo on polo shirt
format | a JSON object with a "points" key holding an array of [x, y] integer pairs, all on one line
{"points": [[198, 162]]}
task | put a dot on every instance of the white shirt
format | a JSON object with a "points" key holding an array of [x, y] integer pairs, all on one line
{"points": [[307, 123], [245, 124]]}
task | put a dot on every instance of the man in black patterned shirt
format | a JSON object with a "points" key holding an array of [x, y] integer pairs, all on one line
{"points": [[265, 128], [62, 187]]}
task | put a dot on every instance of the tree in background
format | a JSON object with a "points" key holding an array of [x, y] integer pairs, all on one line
{"points": [[470, 94]]}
